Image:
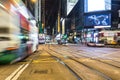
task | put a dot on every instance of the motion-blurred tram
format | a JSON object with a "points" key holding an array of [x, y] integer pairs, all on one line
{"points": [[110, 37], [18, 37]]}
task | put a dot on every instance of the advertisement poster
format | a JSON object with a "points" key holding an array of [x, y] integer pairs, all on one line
{"points": [[98, 19]]}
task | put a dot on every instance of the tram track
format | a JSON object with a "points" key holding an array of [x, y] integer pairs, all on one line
{"points": [[92, 58], [94, 70], [61, 62], [103, 61], [76, 53], [44, 64], [115, 73]]}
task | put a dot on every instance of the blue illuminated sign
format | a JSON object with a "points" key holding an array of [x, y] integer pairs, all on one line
{"points": [[98, 19]]}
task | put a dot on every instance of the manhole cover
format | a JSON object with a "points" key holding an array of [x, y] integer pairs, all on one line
{"points": [[45, 71], [41, 71]]}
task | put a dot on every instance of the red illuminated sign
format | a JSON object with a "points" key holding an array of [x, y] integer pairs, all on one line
{"points": [[24, 23]]}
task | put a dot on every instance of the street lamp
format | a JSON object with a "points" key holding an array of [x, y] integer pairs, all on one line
{"points": [[34, 1]]}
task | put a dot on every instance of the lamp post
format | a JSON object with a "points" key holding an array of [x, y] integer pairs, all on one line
{"points": [[39, 17], [38, 14]]}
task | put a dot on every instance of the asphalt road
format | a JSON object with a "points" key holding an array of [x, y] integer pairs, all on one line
{"points": [[66, 62]]}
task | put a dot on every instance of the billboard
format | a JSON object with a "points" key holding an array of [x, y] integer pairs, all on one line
{"points": [[96, 5], [70, 5], [98, 19]]}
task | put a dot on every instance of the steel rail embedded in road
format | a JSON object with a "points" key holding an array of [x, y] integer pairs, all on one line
{"points": [[97, 59], [70, 69], [98, 72], [116, 73]]}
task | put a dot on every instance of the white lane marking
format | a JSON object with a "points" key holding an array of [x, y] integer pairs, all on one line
{"points": [[16, 73], [20, 72], [9, 77]]}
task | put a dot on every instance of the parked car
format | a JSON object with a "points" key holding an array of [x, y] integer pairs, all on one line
{"points": [[47, 39], [41, 38], [58, 38]]}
